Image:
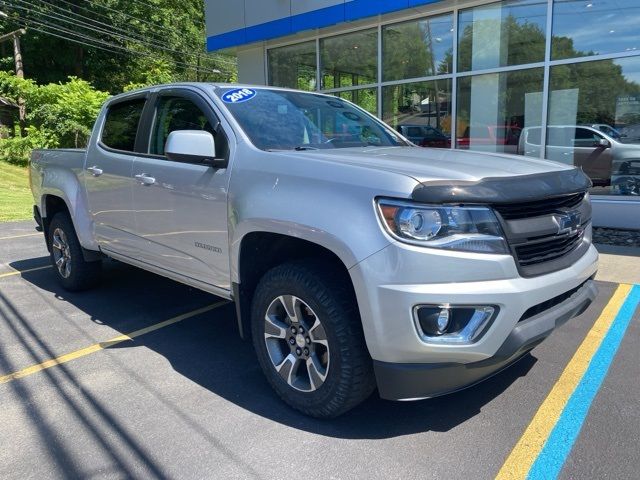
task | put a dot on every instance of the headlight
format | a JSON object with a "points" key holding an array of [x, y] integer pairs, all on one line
{"points": [[471, 229]]}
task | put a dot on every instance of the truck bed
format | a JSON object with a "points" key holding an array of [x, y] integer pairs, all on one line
{"points": [[64, 163]]}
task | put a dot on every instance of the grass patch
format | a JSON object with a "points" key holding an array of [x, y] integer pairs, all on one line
{"points": [[16, 202]]}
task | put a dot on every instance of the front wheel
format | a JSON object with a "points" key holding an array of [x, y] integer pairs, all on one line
{"points": [[73, 271], [308, 338]]}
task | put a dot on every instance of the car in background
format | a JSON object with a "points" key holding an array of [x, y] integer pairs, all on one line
{"points": [[425, 136], [606, 160], [487, 137]]}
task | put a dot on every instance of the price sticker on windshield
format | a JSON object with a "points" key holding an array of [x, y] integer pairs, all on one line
{"points": [[238, 95]]}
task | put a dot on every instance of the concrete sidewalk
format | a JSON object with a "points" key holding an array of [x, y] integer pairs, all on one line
{"points": [[619, 264]]}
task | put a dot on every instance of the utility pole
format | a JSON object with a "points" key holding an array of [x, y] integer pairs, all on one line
{"points": [[17, 57], [17, 53]]}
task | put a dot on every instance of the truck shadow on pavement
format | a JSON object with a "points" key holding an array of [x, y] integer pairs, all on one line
{"points": [[208, 350]]}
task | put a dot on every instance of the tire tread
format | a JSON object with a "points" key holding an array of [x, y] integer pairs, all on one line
{"points": [[328, 287], [84, 275]]}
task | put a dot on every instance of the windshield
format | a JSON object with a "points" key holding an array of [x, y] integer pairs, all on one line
{"points": [[285, 120]]}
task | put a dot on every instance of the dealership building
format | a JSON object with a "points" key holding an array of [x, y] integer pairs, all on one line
{"points": [[544, 78]]}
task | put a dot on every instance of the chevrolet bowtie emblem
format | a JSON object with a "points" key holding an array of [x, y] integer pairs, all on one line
{"points": [[568, 222]]}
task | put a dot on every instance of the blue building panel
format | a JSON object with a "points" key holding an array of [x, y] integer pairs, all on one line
{"points": [[331, 13], [324, 17]]}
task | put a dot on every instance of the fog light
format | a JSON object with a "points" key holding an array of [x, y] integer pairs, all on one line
{"points": [[443, 320], [433, 320], [452, 324]]}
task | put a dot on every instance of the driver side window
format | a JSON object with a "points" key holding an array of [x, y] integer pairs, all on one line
{"points": [[585, 138], [176, 113]]}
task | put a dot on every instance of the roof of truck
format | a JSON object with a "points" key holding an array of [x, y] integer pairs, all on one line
{"points": [[203, 84]]}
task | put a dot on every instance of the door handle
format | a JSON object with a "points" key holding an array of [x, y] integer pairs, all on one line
{"points": [[95, 171], [145, 179]]}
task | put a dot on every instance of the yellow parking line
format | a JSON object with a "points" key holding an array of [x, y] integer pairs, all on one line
{"points": [[525, 452], [67, 357], [21, 236], [20, 272]]}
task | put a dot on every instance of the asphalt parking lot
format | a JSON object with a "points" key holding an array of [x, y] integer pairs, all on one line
{"points": [[186, 399]]}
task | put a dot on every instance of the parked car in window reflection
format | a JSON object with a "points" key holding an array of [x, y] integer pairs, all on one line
{"points": [[425, 136], [608, 162], [500, 138]]}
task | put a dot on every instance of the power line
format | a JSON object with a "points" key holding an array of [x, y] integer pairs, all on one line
{"points": [[91, 12], [119, 49], [155, 25], [72, 21], [60, 17]]}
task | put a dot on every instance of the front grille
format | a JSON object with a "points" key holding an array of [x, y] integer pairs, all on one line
{"points": [[548, 248], [552, 302], [536, 208]]}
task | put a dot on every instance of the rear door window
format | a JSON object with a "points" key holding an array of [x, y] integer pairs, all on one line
{"points": [[121, 125]]}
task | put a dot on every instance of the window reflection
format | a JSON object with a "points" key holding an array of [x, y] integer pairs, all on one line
{"points": [[493, 109], [293, 66], [418, 48], [420, 111], [594, 27], [502, 34], [349, 60], [365, 98], [594, 122]]}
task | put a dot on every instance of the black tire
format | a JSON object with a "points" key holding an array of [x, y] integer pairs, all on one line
{"points": [[80, 274], [325, 296]]}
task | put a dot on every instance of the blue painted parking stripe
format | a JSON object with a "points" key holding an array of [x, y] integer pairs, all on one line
{"points": [[560, 442]]}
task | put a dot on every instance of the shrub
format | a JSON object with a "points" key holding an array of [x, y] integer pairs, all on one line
{"points": [[57, 115], [17, 150]]}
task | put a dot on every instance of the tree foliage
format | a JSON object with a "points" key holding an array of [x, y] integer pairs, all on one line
{"points": [[114, 44], [77, 52], [58, 114]]}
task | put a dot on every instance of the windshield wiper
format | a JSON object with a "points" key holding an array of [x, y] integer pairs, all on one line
{"points": [[300, 148]]}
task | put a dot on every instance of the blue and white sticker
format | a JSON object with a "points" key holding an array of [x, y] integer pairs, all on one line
{"points": [[238, 95]]}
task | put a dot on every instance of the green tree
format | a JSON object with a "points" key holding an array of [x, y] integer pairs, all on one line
{"points": [[114, 43], [58, 115]]}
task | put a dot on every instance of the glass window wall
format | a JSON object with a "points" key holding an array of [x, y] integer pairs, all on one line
{"points": [[420, 111], [418, 48], [594, 122], [594, 27], [592, 107], [349, 60], [293, 66], [501, 34], [493, 110]]}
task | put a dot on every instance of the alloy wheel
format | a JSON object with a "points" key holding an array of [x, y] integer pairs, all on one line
{"points": [[296, 343], [61, 252]]}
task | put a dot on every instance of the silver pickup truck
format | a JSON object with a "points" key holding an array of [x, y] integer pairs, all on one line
{"points": [[356, 260]]}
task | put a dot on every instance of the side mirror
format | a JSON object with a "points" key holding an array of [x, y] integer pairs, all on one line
{"points": [[603, 142], [193, 146]]}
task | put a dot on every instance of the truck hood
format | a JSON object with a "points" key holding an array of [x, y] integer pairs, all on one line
{"points": [[431, 165]]}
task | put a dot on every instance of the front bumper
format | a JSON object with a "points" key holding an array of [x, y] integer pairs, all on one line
{"points": [[407, 381], [390, 283]]}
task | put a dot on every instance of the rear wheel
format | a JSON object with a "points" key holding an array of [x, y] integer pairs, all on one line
{"points": [[308, 338], [73, 271]]}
